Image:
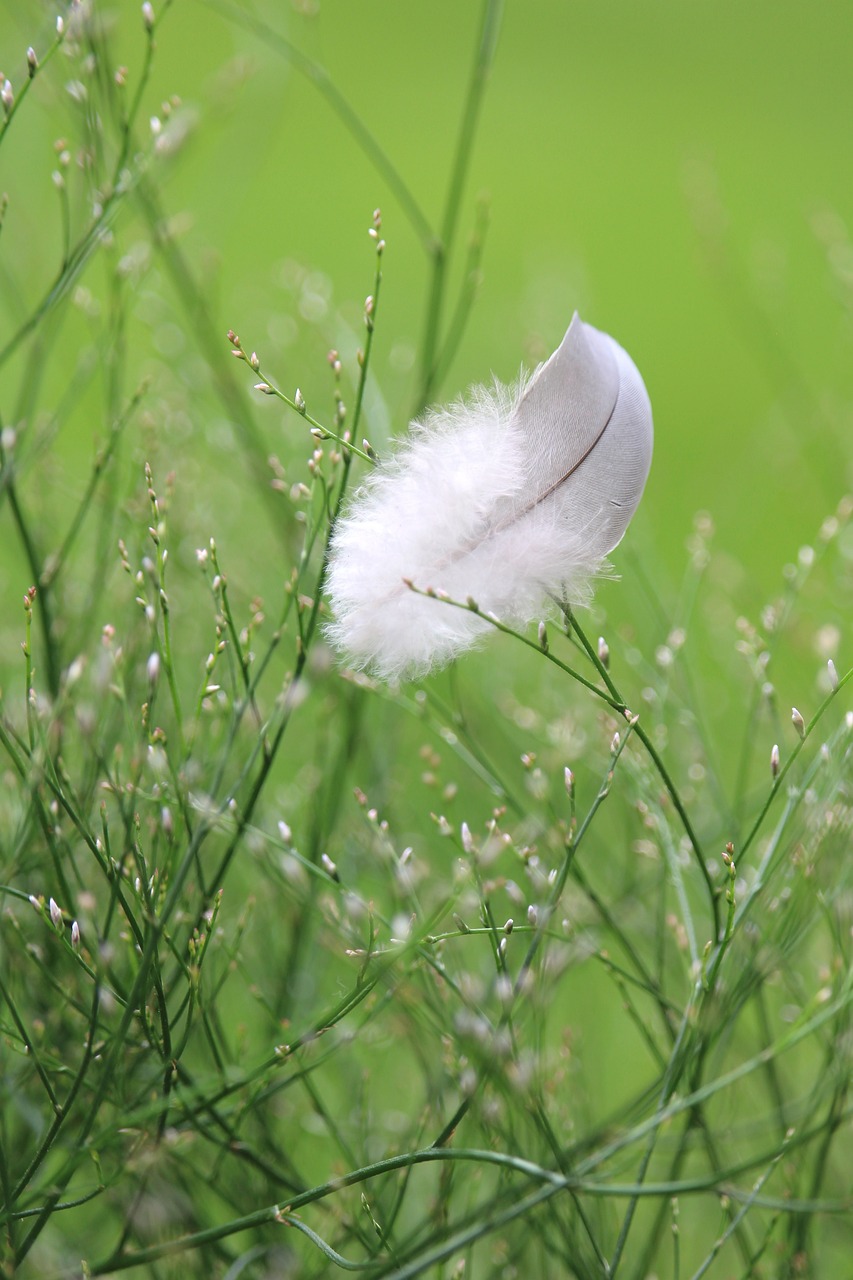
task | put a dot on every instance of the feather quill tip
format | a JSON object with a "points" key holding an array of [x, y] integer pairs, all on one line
{"points": [[511, 498]]}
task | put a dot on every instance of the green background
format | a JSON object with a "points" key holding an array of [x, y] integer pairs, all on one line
{"points": [[678, 173]]}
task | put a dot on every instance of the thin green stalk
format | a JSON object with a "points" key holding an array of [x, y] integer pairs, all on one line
{"points": [[56, 561], [35, 564], [123, 181], [738, 1218], [572, 622], [269, 388], [325, 85], [672, 1075], [785, 768], [572, 844], [443, 248], [33, 72]]}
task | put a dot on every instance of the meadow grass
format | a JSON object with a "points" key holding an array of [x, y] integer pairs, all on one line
{"points": [[520, 969]]}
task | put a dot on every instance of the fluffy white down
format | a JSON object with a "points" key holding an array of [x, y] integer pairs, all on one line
{"points": [[447, 513]]}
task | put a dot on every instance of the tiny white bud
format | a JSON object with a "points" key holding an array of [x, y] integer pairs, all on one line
{"points": [[533, 915], [75, 935], [167, 821], [615, 742], [299, 401], [603, 652], [148, 15], [569, 779], [7, 97], [254, 361], [55, 914], [264, 388], [509, 926], [833, 675], [60, 26], [503, 989], [467, 838], [32, 61], [330, 866], [798, 722], [34, 903], [774, 759], [152, 668], [285, 832]]}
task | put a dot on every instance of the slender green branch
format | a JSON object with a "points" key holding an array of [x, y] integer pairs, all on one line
{"points": [[443, 248], [325, 85]]}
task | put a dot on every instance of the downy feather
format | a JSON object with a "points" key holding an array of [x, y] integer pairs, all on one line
{"points": [[511, 498]]}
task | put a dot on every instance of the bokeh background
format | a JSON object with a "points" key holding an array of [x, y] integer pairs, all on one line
{"points": [[678, 173]]}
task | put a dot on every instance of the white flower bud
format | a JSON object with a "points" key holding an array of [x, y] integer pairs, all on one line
{"points": [[798, 722], [774, 760], [55, 914]]}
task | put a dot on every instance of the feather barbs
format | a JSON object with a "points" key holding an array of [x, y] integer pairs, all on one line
{"points": [[510, 498]]}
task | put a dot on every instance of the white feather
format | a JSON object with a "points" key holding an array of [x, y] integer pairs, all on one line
{"points": [[511, 498]]}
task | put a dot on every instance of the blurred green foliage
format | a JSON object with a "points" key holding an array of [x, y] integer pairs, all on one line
{"points": [[676, 173]]}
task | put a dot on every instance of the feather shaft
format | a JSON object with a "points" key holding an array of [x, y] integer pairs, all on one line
{"points": [[511, 498]]}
